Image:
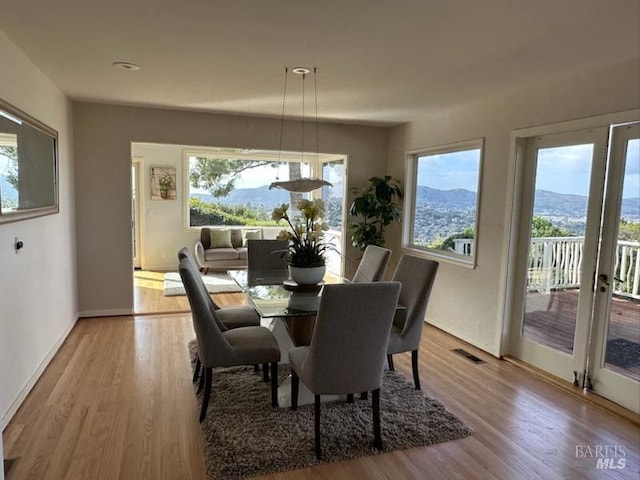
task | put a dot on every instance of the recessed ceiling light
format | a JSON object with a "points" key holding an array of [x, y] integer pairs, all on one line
{"points": [[126, 66]]}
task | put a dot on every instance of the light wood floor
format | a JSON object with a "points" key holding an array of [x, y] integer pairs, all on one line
{"points": [[117, 402]]}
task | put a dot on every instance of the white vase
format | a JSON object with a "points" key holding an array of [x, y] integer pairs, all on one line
{"points": [[307, 276]]}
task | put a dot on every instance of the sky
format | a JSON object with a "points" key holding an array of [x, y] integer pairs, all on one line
{"points": [[450, 170], [560, 169]]}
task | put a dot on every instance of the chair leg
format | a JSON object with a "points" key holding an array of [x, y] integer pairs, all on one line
{"points": [[390, 362], [295, 384], [196, 370], [201, 384], [377, 437], [207, 374], [274, 384], [317, 427], [350, 398], [364, 395], [265, 372], [414, 367]]}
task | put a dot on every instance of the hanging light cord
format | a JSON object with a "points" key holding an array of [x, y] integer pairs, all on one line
{"points": [[284, 96], [315, 87], [304, 76]]}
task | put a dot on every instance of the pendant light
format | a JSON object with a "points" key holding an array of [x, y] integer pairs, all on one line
{"points": [[301, 185]]}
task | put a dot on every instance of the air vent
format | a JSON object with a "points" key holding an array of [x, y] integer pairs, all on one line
{"points": [[468, 356]]}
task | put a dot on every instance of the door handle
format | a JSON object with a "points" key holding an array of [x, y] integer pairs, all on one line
{"points": [[604, 278]]}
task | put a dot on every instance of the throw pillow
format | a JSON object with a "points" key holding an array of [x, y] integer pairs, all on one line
{"points": [[251, 235], [236, 237], [205, 239], [220, 238]]}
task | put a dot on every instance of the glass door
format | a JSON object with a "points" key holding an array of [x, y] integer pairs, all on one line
{"points": [[562, 192], [333, 171], [614, 364]]}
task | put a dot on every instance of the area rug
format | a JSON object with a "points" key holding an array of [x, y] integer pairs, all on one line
{"points": [[244, 437], [215, 282]]}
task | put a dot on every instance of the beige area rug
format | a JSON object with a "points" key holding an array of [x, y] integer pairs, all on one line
{"points": [[243, 436], [215, 282]]}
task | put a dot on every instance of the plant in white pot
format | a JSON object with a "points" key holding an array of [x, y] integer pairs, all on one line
{"points": [[307, 248]]}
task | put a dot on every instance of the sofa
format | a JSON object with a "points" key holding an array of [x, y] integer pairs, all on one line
{"points": [[220, 248]]}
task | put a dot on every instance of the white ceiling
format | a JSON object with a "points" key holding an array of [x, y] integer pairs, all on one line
{"points": [[379, 61]]}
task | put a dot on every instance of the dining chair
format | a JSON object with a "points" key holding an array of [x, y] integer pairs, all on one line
{"points": [[229, 317], [416, 276], [373, 264], [221, 347], [348, 347], [267, 254]]}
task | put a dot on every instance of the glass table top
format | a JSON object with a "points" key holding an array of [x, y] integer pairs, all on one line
{"points": [[267, 293]]}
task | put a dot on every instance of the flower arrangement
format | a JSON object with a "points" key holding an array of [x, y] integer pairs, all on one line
{"points": [[165, 182], [306, 245]]}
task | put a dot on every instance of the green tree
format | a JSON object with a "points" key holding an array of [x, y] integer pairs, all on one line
{"points": [[542, 227], [629, 231], [219, 175], [12, 169]]}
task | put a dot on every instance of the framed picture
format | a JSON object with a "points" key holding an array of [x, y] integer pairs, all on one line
{"points": [[163, 183]]}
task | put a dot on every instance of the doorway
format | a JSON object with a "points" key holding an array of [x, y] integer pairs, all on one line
{"points": [[576, 293]]}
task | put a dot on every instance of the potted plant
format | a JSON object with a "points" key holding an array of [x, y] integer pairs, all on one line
{"points": [[375, 205], [165, 183], [305, 254]]}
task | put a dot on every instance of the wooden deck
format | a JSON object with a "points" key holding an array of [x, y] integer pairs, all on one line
{"points": [[550, 320]]}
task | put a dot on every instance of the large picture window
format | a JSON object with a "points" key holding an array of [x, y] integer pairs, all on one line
{"points": [[442, 207]]}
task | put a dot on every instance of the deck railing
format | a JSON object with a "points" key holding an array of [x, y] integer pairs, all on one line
{"points": [[556, 263]]}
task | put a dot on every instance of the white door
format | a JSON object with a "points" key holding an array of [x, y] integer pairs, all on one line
{"points": [[614, 361], [562, 191]]}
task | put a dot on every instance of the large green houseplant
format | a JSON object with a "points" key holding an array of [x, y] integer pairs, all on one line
{"points": [[375, 206]]}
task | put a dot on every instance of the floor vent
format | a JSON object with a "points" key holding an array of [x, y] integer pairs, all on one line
{"points": [[468, 356]]}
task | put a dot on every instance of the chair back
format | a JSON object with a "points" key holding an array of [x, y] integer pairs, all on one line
{"points": [[416, 276], [349, 342], [185, 253], [212, 346], [266, 254], [373, 264]]}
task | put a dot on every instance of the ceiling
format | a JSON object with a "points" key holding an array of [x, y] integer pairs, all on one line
{"points": [[379, 62]]}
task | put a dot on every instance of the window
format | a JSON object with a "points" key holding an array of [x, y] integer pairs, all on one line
{"points": [[442, 200], [231, 186]]}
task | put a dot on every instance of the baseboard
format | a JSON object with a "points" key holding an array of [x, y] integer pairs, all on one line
{"points": [[13, 408], [118, 312], [465, 338]]}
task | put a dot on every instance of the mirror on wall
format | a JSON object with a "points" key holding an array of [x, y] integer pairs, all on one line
{"points": [[28, 166]]}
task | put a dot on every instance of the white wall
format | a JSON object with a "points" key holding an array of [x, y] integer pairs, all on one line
{"points": [[38, 303], [103, 138], [465, 302]]}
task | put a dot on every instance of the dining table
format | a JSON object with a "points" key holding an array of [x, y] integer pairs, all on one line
{"points": [[274, 296]]}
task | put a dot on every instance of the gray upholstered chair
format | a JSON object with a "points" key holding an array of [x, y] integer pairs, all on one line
{"points": [[220, 347], [373, 264], [266, 254], [230, 317], [416, 276], [348, 346]]}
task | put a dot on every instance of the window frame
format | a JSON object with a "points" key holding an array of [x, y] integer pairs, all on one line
{"points": [[409, 209]]}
